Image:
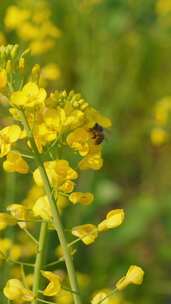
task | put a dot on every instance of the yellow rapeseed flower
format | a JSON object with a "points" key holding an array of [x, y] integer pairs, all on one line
{"points": [[67, 186], [87, 233], [3, 79], [42, 208], [30, 279], [6, 220], [163, 7], [8, 136], [64, 297], [84, 198], [80, 140], [14, 290], [93, 116], [134, 275], [162, 109], [93, 160], [5, 246], [106, 297], [21, 213], [158, 136], [31, 95], [15, 252], [58, 171], [54, 287], [114, 218], [15, 163], [15, 16], [100, 296], [50, 72]]}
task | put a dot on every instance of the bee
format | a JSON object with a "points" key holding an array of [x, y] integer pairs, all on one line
{"points": [[97, 133]]}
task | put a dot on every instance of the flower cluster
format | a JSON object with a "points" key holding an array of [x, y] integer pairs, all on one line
{"points": [[34, 29], [32, 23], [46, 125]]}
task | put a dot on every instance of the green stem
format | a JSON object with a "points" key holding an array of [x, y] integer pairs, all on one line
{"points": [[39, 260], [55, 262], [44, 301], [31, 236], [56, 217]]}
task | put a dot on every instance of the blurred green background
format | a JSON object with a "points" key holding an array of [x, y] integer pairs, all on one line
{"points": [[117, 54]]}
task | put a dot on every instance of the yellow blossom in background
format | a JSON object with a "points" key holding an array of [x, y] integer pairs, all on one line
{"points": [[158, 136], [30, 279], [14, 290], [114, 218], [9, 249], [49, 72], [134, 275], [84, 198], [87, 233], [42, 208], [15, 252], [31, 95], [54, 287], [100, 296], [5, 246], [15, 163], [34, 193], [8, 136], [3, 79], [28, 247], [15, 16], [106, 296], [16, 272], [33, 25], [163, 7], [64, 297], [83, 279], [162, 110], [6, 220], [20, 212], [40, 46]]}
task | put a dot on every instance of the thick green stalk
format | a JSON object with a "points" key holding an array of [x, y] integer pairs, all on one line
{"points": [[55, 213], [39, 260]]}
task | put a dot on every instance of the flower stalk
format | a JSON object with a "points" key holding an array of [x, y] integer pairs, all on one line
{"points": [[39, 260], [56, 217]]}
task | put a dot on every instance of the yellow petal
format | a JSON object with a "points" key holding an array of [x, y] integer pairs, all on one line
{"points": [[42, 208], [87, 233], [113, 219], [134, 275], [82, 198], [15, 290], [99, 297], [15, 163], [54, 287], [3, 79]]}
